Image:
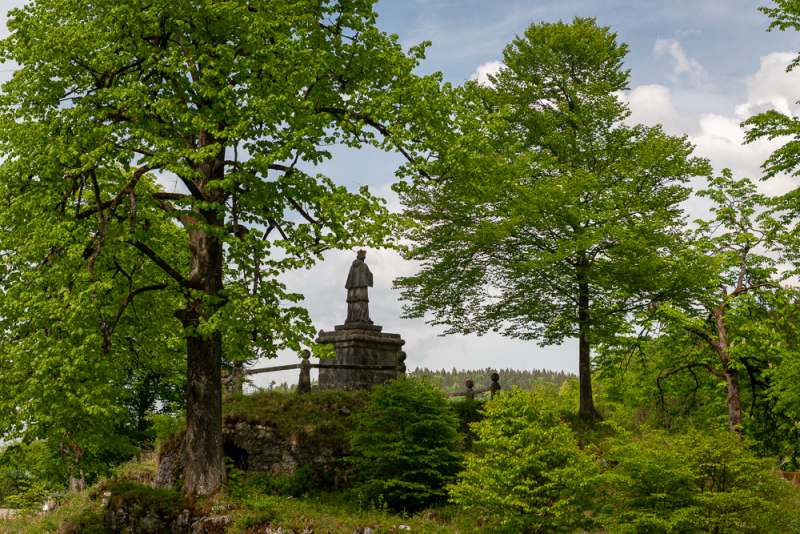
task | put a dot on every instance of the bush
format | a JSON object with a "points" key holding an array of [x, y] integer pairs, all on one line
{"points": [[405, 447], [242, 485], [691, 483], [527, 474]]}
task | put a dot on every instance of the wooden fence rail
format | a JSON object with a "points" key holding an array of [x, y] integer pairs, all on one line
{"points": [[235, 380], [470, 393]]}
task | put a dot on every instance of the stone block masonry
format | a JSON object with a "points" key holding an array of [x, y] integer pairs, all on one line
{"points": [[253, 448], [359, 344]]}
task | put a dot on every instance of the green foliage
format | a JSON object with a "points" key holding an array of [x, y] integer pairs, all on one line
{"points": [[716, 354], [261, 509], [527, 473], [694, 482], [552, 217], [320, 417], [631, 395], [162, 501], [108, 279], [773, 124], [453, 380], [24, 468], [301, 481], [405, 447], [165, 427]]}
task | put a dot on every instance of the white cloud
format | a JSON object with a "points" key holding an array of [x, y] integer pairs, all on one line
{"points": [[719, 137], [483, 72], [684, 67], [652, 104], [772, 87]]}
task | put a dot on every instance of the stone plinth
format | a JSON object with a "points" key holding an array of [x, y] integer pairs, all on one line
{"points": [[358, 344]]}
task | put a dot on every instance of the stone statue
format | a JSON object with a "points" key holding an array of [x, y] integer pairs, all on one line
{"points": [[358, 280]]}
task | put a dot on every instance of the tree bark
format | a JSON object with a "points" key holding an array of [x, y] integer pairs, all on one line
{"points": [[733, 402], [587, 408], [205, 469], [77, 485]]}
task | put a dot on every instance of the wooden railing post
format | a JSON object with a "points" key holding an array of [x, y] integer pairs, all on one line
{"points": [[304, 383], [495, 385], [237, 377], [470, 394]]}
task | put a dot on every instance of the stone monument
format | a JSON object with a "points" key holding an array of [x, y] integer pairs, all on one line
{"points": [[358, 341]]}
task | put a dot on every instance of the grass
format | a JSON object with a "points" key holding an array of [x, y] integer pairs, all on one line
{"points": [[319, 417], [337, 512]]}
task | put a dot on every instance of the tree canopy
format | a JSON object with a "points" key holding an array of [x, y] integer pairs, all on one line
{"points": [[548, 216]]}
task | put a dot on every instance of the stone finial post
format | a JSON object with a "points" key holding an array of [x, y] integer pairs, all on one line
{"points": [[495, 386], [401, 363], [226, 383], [237, 377], [470, 393], [304, 383]]}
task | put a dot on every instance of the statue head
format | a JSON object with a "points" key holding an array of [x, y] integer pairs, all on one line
{"points": [[361, 255]]}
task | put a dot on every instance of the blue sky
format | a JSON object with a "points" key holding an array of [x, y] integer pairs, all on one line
{"points": [[697, 67]]}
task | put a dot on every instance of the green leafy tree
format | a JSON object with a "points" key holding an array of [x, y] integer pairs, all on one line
{"points": [[22, 465], [735, 242], [693, 482], [61, 377], [773, 124], [548, 217], [527, 473], [230, 99], [405, 446]]}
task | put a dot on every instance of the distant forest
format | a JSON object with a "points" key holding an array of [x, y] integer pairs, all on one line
{"points": [[452, 381]]}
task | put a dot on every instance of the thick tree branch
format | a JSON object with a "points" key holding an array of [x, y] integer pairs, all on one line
{"points": [[689, 365], [341, 113], [105, 205], [166, 267], [129, 299]]}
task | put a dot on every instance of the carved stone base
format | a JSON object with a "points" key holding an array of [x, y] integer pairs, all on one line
{"points": [[358, 344]]}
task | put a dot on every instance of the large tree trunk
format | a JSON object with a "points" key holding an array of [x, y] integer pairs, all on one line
{"points": [[587, 408], [205, 469]]}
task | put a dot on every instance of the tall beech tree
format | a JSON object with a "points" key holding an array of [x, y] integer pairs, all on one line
{"points": [[547, 216], [231, 100]]}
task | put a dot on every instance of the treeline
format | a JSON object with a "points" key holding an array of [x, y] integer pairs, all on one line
{"points": [[452, 381]]}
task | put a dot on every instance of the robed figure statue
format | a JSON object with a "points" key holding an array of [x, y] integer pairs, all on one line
{"points": [[358, 280]]}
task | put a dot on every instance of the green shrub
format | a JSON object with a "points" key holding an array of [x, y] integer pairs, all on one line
{"points": [[527, 473], [405, 447], [166, 427], [295, 484], [694, 482]]}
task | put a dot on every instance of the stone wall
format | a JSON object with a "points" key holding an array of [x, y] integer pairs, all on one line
{"points": [[254, 448]]}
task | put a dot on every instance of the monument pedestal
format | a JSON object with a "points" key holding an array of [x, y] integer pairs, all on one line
{"points": [[358, 344]]}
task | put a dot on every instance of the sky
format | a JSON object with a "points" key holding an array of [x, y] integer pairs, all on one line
{"points": [[698, 67]]}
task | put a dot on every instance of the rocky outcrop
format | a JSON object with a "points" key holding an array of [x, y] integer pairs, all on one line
{"points": [[253, 447], [122, 517]]}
